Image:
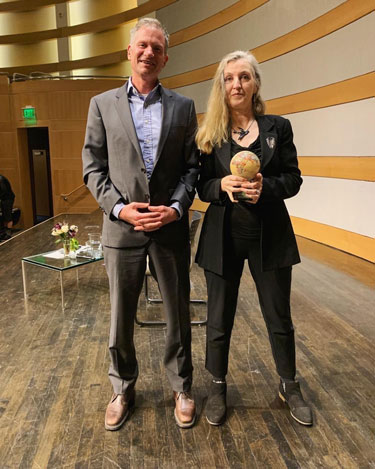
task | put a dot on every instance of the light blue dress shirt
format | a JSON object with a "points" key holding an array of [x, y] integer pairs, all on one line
{"points": [[146, 112]]}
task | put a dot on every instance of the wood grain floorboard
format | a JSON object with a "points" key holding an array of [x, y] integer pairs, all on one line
{"points": [[54, 387]]}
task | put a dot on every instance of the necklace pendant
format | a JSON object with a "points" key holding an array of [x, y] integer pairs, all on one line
{"points": [[242, 134]]}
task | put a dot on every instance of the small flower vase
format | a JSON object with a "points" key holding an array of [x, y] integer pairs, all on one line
{"points": [[66, 246]]}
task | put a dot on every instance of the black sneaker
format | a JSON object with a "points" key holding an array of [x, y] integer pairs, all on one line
{"points": [[291, 394], [216, 407]]}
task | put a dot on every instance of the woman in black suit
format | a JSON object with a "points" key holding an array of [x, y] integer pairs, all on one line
{"points": [[258, 230]]}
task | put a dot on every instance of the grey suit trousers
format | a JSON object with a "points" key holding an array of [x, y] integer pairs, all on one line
{"points": [[126, 269]]}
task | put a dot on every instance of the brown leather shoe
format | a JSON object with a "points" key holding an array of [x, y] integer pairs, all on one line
{"points": [[184, 412], [118, 410]]}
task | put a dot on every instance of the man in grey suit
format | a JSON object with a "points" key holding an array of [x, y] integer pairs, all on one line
{"points": [[140, 162]]}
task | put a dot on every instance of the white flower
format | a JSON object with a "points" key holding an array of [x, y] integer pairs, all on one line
{"points": [[64, 228], [55, 233], [58, 232], [74, 228]]}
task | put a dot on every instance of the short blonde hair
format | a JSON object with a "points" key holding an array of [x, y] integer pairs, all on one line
{"points": [[214, 129], [150, 23]]}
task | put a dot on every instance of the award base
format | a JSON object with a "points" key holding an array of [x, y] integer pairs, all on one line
{"points": [[240, 196]]}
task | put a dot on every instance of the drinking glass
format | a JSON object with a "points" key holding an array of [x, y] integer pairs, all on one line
{"points": [[96, 245]]}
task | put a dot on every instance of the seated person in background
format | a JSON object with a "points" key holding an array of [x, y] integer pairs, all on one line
{"points": [[257, 230], [6, 205]]}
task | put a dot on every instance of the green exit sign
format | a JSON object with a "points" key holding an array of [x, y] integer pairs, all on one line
{"points": [[28, 113]]}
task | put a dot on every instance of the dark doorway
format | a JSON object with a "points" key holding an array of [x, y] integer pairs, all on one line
{"points": [[40, 173]]}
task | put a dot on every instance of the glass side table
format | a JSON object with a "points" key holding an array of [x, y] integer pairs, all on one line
{"points": [[53, 261]]}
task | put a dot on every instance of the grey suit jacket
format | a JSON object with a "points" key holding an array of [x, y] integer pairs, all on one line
{"points": [[114, 171]]}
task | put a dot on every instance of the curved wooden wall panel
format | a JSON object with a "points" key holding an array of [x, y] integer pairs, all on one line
{"points": [[27, 22], [338, 56], [105, 59], [87, 46], [23, 5], [347, 241], [337, 18], [102, 24], [41, 53], [186, 13], [240, 8], [353, 89], [85, 11], [270, 21], [347, 91], [350, 10], [360, 168], [205, 26]]}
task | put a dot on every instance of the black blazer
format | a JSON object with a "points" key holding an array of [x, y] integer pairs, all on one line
{"points": [[281, 180]]}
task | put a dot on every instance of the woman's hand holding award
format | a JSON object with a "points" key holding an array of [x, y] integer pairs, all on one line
{"points": [[245, 164]]}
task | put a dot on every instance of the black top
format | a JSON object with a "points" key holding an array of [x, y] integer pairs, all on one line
{"points": [[6, 199], [244, 219]]}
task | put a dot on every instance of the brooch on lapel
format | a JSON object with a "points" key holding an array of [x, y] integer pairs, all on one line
{"points": [[271, 142]]}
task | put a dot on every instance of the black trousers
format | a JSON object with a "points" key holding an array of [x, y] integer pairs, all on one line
{"points": [[273, 288]]}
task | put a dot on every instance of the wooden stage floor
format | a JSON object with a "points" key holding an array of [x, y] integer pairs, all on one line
{"points": [[54, 387]]}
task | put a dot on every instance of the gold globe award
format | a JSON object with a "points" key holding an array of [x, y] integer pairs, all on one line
{"points": [[245, 164]]}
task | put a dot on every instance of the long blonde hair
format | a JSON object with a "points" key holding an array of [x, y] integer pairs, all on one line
{"points": [[214, 129]]}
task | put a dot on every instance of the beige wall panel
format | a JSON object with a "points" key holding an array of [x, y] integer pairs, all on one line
{"points": [[27, 21], [38, 100], [184, 13], [345, 130], [66, 145], [14, 55], [90, 45], [343, 54], [8, 144], [198, 92], [67, 105], [275, 18], [4, 108], [82, 11], [344, 204]]}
